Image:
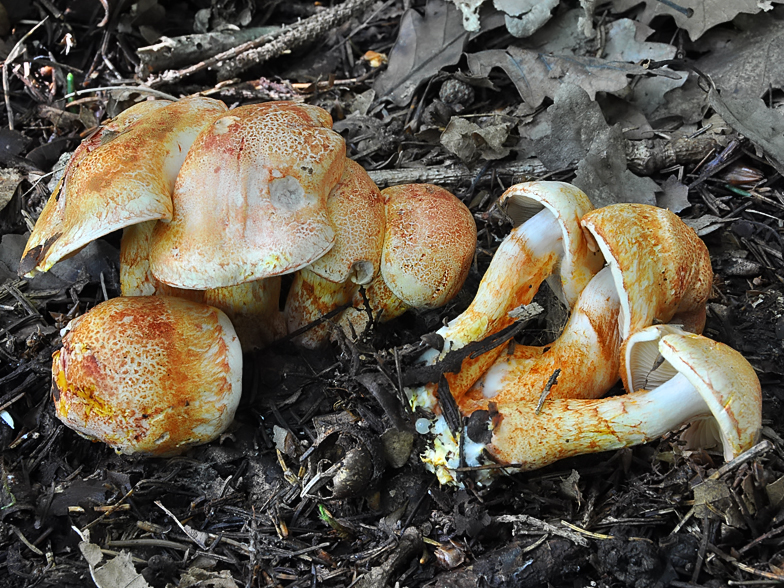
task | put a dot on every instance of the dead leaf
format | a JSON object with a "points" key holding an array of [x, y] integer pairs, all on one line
{"points": [[524, 17], [704, 15], [468, 140], [538, 76], [625, 41], [745, 62], [750, 117], [603, 174], [118, 572], [674, 195], [424, 45], [196, 577], [564, 134]]}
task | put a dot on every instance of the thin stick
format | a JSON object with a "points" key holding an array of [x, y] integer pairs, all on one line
{"points": [[15, 52]]}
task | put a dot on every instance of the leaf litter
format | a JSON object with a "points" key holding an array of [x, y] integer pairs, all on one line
{"points": [[555, 91]]}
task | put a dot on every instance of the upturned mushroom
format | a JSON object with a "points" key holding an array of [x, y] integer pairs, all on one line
{"points": [[714, 390], [547, 242], [148, 375], [429, 243], [658, 269]]}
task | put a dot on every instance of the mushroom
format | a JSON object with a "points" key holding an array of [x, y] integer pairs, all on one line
{"points": [[547, 241], [121, 175], [253, 307], [151, 375], [356, 209], [250, 200], [713, 382], [429, 243], [658, 269]]}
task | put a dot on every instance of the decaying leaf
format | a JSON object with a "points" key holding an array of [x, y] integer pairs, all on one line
{"points": [[674, 195], [118, 572], [696, 16], [538, 76], [468, 140], [745, 62], [751, 118], [524, 17], [424, 45], [603, 174]]}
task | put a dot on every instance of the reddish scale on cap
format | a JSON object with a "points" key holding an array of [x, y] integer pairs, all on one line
{"points": [[151, 375], [429, 244]]}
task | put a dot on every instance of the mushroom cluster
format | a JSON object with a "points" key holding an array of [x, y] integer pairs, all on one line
{"points": [[636, 279], [215, 206]]}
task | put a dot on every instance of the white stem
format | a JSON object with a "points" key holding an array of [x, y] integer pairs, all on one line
{"points": [[569, 427], [523, 260], [586, 353]]}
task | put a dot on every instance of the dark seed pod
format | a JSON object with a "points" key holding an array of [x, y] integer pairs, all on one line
{"points": [[456, 92], [742, 176]]}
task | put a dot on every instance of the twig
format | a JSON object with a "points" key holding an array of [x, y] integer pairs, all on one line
{"points": [[758, 450], [140, 89], [309, 29], [551, 381], [15, 52], [547, 527]]}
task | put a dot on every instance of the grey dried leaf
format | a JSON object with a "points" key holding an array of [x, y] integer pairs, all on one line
{"points": [[704, 15], [424, 46], [745, 62], [750, 117]]}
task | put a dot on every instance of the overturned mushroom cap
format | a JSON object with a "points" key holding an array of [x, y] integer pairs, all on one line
{"points": [[713, 385], [250, 201], [661, 267], [121, 175], [151, 375]]}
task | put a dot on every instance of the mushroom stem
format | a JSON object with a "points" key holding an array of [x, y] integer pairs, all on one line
{"points": [[713, 385], [523, 375], [549, 239], [568, 427]]}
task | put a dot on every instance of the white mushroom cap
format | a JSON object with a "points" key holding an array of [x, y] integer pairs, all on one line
{"points": [[121, 175], [568, 204], [250, 201], [151, 375]]}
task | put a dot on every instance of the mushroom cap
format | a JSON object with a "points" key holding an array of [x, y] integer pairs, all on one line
{"points": [[252, 307], [642, 366], [568, 204], [250, 201], [151, 375], [356, 209], [727, 383], [429, 244], [121, 175], [661, 267]]}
